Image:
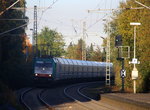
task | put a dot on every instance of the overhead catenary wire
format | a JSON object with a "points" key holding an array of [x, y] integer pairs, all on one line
{"points": [[29, 8], [11, 19], [14, 19], [85, 18], [76, 25], [46, 10], [142, 4], [13, 29], [91, 24], [96, 22], [9, 7]]}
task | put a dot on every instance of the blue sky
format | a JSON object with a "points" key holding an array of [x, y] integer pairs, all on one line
{"points": [[67, 16]]}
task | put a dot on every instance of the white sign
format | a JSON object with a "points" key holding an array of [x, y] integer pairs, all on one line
{"points": [[135, 23], [134, 61], [134, 73]]}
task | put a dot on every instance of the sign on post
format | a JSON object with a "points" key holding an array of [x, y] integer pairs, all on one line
{"points": [[123, 73], [134, 73]]}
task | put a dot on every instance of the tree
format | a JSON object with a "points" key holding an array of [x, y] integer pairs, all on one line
{"points": [[12, 44], [79, 49], [74, 51], [89, 52], [50, 43], [97, 56], [71, 50], [121, 25]]}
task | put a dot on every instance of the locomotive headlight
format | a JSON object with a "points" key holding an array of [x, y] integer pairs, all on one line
{"points": [[36, 74], [50, 75], [43, 68]]}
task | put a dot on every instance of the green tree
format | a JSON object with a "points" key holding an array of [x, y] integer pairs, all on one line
{"points": [[50, 43], [121, 25], [79, 49], [97, 56], [74, 51], [71, 50], [89, 52]]}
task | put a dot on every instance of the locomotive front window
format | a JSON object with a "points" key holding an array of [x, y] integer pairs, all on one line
{"points": [[43, 64], [47, 65], [43, 67]]}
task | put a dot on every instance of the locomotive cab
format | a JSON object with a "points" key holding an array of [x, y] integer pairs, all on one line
{"points": [[43, 68]]}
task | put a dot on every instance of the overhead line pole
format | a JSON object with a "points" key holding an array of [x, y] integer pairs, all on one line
{"points": [[35, 32], [108, 58], [107, 80], [84, 39]]}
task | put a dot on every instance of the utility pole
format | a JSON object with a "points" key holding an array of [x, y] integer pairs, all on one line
{"points": [[84, 39], [35, 32], [134, 60], [107, 79], [108, 58]]}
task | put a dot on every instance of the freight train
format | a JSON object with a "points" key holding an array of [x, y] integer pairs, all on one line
{"points": [[62, 69]]}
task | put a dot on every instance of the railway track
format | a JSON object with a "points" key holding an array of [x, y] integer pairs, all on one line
{"points": [[62, 98], [32, 100], [22, 98], [74, 92]]}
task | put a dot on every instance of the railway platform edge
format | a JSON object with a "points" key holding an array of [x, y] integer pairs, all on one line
{"points": [[128, 101]]}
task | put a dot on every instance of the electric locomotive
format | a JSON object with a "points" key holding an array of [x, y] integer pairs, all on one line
{"points": [[43, 68]]}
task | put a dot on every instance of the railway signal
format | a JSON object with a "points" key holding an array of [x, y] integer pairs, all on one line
{"points": [[123, 73], [118, 44], [118, 40]]}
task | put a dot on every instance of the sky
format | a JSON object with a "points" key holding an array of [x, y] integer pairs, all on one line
{"points": [[67, 17]]}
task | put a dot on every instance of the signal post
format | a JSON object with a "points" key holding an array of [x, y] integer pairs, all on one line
{"points": [[118, 44]]}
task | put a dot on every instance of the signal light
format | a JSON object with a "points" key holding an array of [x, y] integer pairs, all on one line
{"points": [[118, 41]]}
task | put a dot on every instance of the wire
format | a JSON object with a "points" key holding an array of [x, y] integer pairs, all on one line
{"points": [[96, 22], [101, 3], [12, 29], [51, 5], [142, 4], [14, 19], [9, 7], [46, 10]]}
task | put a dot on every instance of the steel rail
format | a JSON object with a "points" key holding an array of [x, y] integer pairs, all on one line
{"points": [[80, 103], [39, 98], [93, 101], [72, 98], [22, 98], [43, 101]]}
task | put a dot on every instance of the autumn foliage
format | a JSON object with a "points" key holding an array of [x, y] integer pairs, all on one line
{"points": [[121, 25]]}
